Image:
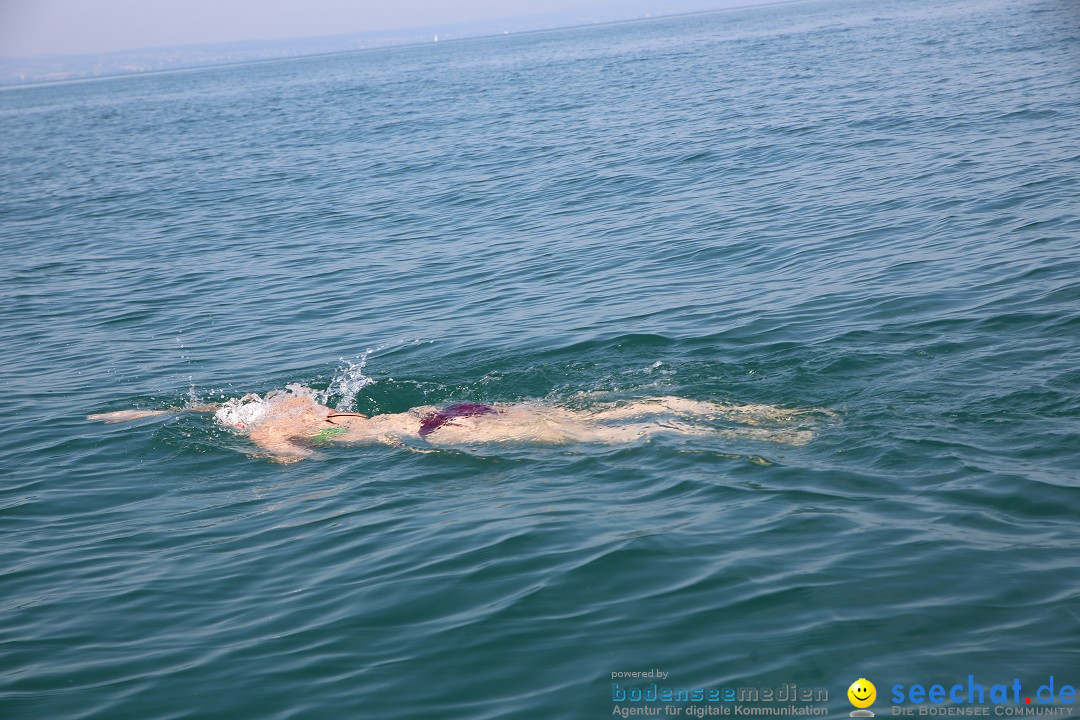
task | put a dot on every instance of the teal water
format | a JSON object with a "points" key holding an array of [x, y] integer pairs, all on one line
{"points": [[866, 207]]}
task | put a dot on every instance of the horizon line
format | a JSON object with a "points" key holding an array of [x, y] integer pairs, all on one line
{"points": [[330, 53]]}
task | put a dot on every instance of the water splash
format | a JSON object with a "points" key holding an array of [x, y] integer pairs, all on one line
{"points": [[242, 413], [341, 393], [349, 380]]}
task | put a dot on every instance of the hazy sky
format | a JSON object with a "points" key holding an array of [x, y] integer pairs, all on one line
{"points": [[40, 27]]}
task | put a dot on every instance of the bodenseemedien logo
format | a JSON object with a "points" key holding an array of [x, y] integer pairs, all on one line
{"points": [[862, 694]]}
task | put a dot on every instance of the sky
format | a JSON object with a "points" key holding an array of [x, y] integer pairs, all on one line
{"points": [[30, 28]]}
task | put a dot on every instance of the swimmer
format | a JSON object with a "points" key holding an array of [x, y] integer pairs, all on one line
{"points": [[291, 425]]}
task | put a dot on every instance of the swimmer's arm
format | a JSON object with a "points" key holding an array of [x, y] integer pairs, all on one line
{"points": [[120, 416], [278, 444], [127, 415]]}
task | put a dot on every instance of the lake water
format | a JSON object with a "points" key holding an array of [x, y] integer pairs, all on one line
{"points": [[866, 208]]}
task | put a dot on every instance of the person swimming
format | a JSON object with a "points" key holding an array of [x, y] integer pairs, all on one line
{"points": [[292, 425]]}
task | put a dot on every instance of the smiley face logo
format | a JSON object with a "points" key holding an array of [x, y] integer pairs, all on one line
{"points": [[862, 693]]}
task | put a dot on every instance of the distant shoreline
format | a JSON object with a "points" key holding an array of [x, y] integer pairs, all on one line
{"points": [[387, 43]]}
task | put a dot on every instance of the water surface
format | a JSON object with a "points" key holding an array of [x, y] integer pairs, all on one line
{"points": [[864, 207]]}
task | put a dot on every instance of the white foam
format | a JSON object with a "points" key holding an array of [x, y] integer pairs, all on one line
{"points": [[348, 382], [242, 413]]}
